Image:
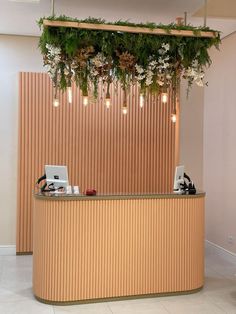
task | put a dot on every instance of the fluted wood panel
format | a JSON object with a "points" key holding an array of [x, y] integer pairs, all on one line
{"points": [[111, 248], [102, 148]]}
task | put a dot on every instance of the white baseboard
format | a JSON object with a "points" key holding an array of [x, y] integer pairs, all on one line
{"points": [[220, 251], [7, 250], [216, 249]]}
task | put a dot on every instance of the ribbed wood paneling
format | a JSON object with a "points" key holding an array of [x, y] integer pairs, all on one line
{"points": [[110, 248], [102, 148]]}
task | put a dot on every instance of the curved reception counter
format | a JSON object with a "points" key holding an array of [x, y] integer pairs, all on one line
{"points": [[88, 248]]}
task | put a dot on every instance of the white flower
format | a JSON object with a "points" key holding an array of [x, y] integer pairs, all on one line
{"points": [[199, 82], [139, 69], [57, 58], [195, 63], [99, 60], [53, 50], [161, 83], [161, 51], [66, 71], [152, 64], [166, 47], [93, 72], [149, 76], [140, 77], [165, 65], [195, 74]]}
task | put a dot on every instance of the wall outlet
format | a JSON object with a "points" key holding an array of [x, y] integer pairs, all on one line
{"points": [[231, 239]]}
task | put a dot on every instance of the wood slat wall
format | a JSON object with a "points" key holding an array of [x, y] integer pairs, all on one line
{"points": [[103, 149]]}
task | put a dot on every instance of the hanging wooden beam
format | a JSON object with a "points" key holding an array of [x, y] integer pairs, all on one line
{"points": [[130, 29]]}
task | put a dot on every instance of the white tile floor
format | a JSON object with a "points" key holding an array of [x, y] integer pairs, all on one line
{"points": [[218, 295]]}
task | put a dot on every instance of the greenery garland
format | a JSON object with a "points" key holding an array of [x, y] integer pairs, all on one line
{"points": [[155, 62]]}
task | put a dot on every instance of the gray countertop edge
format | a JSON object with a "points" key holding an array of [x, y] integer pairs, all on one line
{"points": [[81, 197]]}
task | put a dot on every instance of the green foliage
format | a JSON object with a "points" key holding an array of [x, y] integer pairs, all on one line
{"points": [[182, 53]]}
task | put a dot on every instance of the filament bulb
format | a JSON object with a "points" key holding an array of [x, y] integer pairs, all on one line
{"points": [[69, 94], [164, 97], [124, 110], [141, 100], [56, 102], [108, 102], [85, 100], [173, 117]]}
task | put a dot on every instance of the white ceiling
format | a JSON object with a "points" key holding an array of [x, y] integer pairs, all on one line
{"points": [[18, 17]]}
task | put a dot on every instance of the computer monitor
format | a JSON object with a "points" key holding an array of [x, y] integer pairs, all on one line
{"points": [[178, 179], [56, 176]]}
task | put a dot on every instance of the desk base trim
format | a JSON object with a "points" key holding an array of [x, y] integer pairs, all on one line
{"points": [[123, 298]]}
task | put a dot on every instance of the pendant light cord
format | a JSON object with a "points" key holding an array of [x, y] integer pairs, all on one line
{"points": [[52, 7]]}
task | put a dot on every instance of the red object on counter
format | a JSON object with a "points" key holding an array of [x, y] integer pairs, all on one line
{"points": [[90, 192]]}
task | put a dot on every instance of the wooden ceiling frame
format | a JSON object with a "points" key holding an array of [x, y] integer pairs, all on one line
{"points": [[131, 29]]}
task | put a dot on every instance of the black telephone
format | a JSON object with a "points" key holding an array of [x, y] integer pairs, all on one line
{"points": [[188, 186], [45, 187]]}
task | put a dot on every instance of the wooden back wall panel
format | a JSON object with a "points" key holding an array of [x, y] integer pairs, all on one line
{"points": [[103, 149]]}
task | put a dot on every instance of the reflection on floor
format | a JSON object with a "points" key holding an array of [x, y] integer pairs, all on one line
{"points": [[218, 295]]}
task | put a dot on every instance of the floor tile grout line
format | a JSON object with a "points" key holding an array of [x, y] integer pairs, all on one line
{"points": [[221, 308], [108, 305], [215, 304], [165, 308]]}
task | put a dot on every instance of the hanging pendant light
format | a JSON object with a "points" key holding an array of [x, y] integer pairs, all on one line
{"points": [[124, 109], [173, 116], [141, 100], [108, 102], [56, 102], [85, 98], [69, 94], [164, 97], [108, 96]]}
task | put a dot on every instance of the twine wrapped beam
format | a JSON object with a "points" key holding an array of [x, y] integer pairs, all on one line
{"points": [[131, 29]]}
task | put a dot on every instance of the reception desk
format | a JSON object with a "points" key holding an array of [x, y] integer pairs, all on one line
{"points": [[88, 248]]}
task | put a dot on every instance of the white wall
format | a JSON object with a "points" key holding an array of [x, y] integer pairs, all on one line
{"points": [[16, 54], [21, 54], [220, 146], [191, 132]]}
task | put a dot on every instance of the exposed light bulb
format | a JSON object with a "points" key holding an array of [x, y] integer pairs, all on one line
{"points": [[164, 97], [69, 94], [141, 100], [56, 102], [108, 102], [85, 100], [173, 117], [124, 110]]}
